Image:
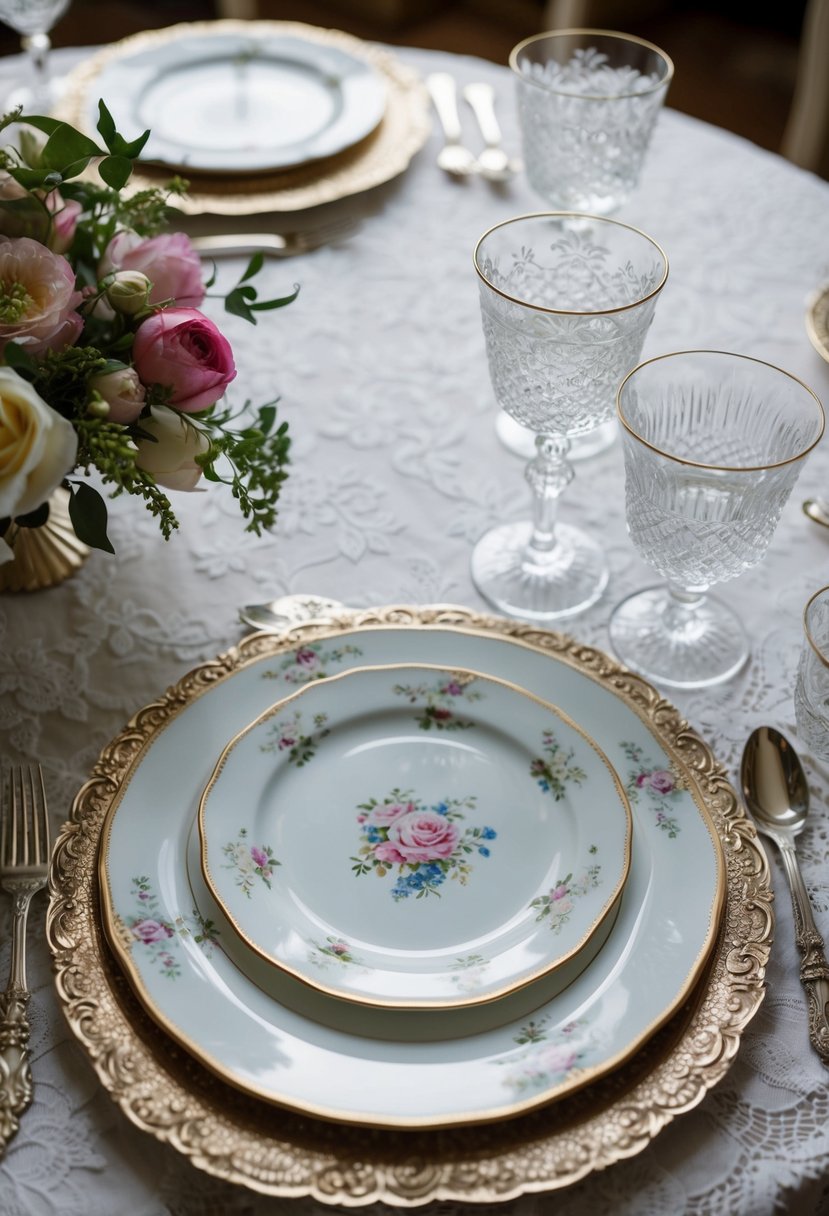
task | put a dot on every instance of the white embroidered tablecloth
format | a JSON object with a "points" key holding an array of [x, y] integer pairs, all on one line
{"points": [[396, 472]]}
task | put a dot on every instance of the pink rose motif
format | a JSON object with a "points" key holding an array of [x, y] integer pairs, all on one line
{"points": [[558, 1058], [660, 781], [306, 657], [181, 349], [149, 931], [422, 836], [37, 297], [383, 816], [339, 947], [169, 261], [559, 892], [452, 689], [441, 715], [260, 859]]}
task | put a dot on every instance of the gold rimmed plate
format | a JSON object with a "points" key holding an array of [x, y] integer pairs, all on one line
{"points": [[817, 321], [237, 1138]]}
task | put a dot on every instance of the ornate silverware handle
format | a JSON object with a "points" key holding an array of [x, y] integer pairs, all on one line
{"points": [[15, 1072], [814, 969]]}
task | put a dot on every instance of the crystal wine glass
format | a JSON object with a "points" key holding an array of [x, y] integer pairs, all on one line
{"points": [[811, 695], [33, 19], [566, 301], [713, 444], [588, 101]]}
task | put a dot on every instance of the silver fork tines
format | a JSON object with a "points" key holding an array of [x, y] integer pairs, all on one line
{"points": [[24, 868]]}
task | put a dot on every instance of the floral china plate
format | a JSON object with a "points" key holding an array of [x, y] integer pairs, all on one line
{"points": [[420, 821], [219, 100], [174, 955]]}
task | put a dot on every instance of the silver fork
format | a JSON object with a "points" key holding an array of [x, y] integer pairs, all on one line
{"points": [[24, 869], [275, 244]]}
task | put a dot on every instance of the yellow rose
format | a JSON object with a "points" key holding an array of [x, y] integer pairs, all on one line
{"points": [[169, 456], [38, 447]]}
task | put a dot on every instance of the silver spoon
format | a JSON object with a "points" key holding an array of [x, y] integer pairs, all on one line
{"points": [[493, 161], [288, 610], [817, 511], [776, 793], [453, 157]]}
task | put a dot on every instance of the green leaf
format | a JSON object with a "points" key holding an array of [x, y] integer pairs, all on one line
{"points": [[88, 513], [106, 126], [254, 266], [18, 358], [65, 146], [134, 147], [34, 519], [267, 417], [237, 305], [30, 179], [115, 171]]}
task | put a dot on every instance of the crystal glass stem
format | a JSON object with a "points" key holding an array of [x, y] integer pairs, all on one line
{"points": [[37, 47], [548, 475]]}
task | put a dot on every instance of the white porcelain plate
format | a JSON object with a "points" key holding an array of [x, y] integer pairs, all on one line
{"points": [[226, 102], [415, 823], [667, 921]]}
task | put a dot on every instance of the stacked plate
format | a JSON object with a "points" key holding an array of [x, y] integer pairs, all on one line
{"points": [[411, 876], [259, 115]]}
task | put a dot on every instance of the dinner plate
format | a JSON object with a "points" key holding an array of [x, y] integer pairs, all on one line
{"points": [[442, 836], [383, 154], [217, 101], [665, 929], [817, 321]]}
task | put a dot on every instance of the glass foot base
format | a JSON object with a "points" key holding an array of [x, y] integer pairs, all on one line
{"points": [[521, 441], [710, 646], [538, 586]]}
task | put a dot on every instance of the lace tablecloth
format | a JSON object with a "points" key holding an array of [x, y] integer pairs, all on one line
{"points": [[397, 471]]}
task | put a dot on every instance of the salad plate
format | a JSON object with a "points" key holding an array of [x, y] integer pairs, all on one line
{"points": [[172, 955], [223, 101], [443, 835]]}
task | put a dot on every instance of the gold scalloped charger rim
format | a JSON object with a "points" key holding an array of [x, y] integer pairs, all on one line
{"points": [[272, 1151], [378, 158]]}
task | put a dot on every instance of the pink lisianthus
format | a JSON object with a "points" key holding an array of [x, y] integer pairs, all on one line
{"points": [[182, 350], [37, 297], [149, 931], [169, 261], [419, 836]]}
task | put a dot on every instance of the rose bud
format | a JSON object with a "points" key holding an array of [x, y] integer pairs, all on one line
{"points": [[128, 292], [122, 391]]}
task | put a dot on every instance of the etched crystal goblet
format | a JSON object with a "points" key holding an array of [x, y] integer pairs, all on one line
{"points": [[811, 694], [713, 444], [566, 302], [588, 101], [33, 19]]}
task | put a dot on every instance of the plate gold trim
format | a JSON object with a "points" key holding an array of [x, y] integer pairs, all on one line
{"points": [[269, 1150], [380, 157]]}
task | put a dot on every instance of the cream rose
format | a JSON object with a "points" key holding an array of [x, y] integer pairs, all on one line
{"points": [[38, 446], [171, 458]]}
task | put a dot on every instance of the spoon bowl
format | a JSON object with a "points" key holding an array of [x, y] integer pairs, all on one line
{"points": [[817, 511], [288, 610], [777, 795], [457, 160]]}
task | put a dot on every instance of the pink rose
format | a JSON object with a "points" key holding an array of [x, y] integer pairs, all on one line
{"points": [[181, 349], [65, 215], [148, 931], [306, 657], [260, 858], [422, 836], [339, 947], [453, 689], [54, 227], [559, 892], [123, 392], [660, 781], [37, 297], [169, 261], [382, 816]]}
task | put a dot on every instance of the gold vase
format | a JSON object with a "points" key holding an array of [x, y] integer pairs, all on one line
{"points": [[43, 556]]}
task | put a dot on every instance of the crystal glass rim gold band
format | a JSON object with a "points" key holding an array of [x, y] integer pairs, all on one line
{"points": [[663, 83], [821, 656], [571, 312], [718, 468]]}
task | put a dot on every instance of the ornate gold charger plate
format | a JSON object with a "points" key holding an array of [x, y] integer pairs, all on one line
{"points": [[219, 1130], [378, 158], [817, 322]]}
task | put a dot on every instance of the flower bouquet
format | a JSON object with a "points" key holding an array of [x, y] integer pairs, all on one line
{"points": [[108, 370]]}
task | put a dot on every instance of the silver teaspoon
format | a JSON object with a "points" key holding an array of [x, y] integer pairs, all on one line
{"points": [[776, 793], [453, 157], [817, 511], [493, 161], [288, 610]]}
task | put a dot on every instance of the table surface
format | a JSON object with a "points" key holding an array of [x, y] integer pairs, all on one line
{"points": [[397, 470]]}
